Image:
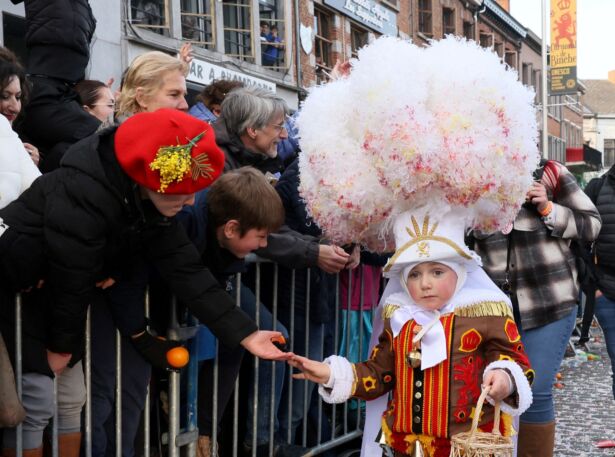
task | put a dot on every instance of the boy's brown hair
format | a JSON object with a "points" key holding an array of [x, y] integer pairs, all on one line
{"points": [[246, 196]]}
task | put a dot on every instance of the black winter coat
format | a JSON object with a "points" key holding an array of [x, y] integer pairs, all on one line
{"points": [[602, 193], [321, 284], [58, 36], [85, 222]]}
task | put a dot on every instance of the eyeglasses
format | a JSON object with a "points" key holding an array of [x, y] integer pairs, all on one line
{"points": [[279, 127], [108, 105]]}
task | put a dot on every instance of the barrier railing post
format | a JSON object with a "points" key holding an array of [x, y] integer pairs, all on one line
{"points": [[272, 412], [256, 364], [88, 384], [146, 408], [18, 371], [118, 394], [173, 388], [307, 345]]}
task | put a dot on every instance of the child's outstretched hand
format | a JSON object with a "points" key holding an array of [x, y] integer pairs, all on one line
{"points": [[310, 369], [499, 383]]}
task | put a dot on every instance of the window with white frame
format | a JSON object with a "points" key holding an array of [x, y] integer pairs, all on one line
{"points": [[448, 21], [555, 106], [557, 149], [150, 14], [425, 17], [609, 152], [323, 22], [238, 30], [393, 3], [272, 34], [198, 23]]}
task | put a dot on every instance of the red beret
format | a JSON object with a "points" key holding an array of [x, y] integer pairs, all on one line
{"points": [[168, 151]]}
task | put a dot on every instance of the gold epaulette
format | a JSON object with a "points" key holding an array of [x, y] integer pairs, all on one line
{"points": [[485, 309], [388, 310]]}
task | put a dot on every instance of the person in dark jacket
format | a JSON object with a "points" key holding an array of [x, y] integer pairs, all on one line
{"points": [[601, 191], [251, 125], [58, 37], [111, 202]]}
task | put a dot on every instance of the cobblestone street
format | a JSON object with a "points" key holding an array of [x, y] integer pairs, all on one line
{"points": [[585, 408]]}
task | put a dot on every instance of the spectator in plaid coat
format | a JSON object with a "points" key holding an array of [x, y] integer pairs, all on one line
{"points": [[535, 263]]}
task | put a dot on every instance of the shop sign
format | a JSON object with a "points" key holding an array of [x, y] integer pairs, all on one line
{"points": [[563, 47], [205, 73], [368, 13]]}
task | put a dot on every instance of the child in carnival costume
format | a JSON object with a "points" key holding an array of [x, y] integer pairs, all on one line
{"points": [[431, 158]]}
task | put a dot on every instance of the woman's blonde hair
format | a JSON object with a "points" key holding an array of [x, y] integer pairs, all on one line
{"points": [[147, 72]]}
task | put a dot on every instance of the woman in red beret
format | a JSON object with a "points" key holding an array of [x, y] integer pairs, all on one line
{"points": [[107, 212]]}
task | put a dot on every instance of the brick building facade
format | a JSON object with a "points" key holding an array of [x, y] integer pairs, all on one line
{"points": [[229, 41]]}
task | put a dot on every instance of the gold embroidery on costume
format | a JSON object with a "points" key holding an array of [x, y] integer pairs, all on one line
{"points": [[423, 248], [485, 309], [388, 310], [470, 340], [369, 383]]}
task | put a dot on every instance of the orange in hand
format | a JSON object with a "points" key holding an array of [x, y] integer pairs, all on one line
{"points": [[178, 357]]}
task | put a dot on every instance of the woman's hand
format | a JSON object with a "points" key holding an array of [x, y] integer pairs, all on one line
{"points": [[105, 283], [331, 258], [499, 383], [33, 153], [57, 361], [260, 344], [537, 195], [311, 370], [355, 258]]}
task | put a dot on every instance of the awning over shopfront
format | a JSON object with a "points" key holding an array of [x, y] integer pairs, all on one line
{"points": [[583, 159]]}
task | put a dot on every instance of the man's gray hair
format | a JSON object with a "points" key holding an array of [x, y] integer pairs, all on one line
{"points": [[251, 107]]}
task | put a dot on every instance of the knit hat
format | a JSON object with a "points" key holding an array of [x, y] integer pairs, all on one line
{"points": [[168, 151], [422, 236]]}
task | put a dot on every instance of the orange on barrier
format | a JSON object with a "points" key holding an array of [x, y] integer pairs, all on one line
{"points": [[178, 357]]}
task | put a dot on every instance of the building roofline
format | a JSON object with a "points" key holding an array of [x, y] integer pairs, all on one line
{"points": [[506, 17]]}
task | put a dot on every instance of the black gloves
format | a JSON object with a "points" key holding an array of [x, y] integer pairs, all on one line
{"points": [[154, 349]]}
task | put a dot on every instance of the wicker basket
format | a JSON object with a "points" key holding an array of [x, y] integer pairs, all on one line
{"points": [[480, 444]]}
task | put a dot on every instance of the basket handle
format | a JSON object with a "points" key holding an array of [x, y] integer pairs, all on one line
{"points": [[477, 411]]}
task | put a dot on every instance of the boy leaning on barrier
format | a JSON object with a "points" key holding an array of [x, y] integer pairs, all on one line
{"points": [[112, 201], [227, 222]]}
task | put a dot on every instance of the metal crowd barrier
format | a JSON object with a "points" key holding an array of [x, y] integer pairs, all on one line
{"points": [[341, 430]]}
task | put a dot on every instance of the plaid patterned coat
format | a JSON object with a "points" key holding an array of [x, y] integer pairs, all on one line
{"points": [[542, 269]]}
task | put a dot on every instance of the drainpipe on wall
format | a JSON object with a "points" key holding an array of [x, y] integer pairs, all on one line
{"points": [[298, 50]]}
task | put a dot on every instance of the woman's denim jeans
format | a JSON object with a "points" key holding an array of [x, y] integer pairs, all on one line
{"points": [[545, 346], [605, 312]]}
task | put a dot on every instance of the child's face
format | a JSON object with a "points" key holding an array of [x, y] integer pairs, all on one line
{"points": [[431, 285], [241, 246]]}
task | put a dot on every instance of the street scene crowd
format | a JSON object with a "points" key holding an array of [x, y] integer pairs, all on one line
{"points": [[462, 280]]}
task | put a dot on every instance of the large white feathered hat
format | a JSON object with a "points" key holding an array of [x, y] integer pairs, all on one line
{"points": [[411, 127]]}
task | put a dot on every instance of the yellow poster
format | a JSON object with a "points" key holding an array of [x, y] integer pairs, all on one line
{"points": [[563, 46]]}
